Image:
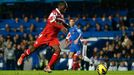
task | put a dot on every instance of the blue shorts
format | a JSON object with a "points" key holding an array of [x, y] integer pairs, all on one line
{"points": [[76, 48]]}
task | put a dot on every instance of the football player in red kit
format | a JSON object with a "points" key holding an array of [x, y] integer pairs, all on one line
{"points": [[48, 36]]}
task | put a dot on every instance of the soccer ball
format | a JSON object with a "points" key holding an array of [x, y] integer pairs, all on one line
{"points": [[101, 69]]}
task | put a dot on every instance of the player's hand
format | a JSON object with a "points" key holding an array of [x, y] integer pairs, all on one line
{"points": [[76, 41]]}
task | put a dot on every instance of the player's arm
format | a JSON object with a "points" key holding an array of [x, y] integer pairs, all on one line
{"points": [[53, 21], [66, 25], [67, 40], [80, 33]]}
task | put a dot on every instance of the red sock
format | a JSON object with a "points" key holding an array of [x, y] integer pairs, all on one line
{"points": [[53, 59], [76, 65], [26, 53]]}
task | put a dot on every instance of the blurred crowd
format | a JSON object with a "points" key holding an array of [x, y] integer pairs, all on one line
{"points": [[20, 33], [117, 54]]}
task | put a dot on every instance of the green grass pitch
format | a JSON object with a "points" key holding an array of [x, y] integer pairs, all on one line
{"points": [[64, 73]]}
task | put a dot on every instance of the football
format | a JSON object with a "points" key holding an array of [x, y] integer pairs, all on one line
{"points": [[101, 69]]}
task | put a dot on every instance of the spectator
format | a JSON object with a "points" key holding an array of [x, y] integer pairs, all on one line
{"points": [[95, 51], [1, 61], [132, 53], [98, 28], [132, 37], [88, 26], [7, 28], [106, 28], [21, 29], [31, 38], [9, 57], [1, 53], [77, 19], [123, 28], [123, 66], [117, 48], [84, 29], [44, 19], [93, 20], [17, 21], [37, 19], [25, 19], [124, 53], [102, 21], [79, 26], [113, 66], [1, 42], [32, 28], [126, 41], [101, 53], [132, 67], [8, 42], [25, 37], [18, 51], [26, 22], [16, 39], [131, 26], [116, 20], [110, 20], [84, 20]]}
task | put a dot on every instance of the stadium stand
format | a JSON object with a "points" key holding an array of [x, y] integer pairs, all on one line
{"points": [[112, 28]]}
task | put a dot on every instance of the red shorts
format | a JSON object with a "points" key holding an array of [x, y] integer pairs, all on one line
{"points": [[42, 40]]}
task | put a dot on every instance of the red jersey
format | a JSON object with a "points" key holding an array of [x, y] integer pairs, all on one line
{"points": [[49, 34], [53, 25]]}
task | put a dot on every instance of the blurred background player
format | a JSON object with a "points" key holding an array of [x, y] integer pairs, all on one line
{"points": [[73, 38], [48, 36]]}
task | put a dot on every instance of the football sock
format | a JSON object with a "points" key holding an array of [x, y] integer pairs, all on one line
{"points": [[70, 63], [26, 53], [54, 58]]}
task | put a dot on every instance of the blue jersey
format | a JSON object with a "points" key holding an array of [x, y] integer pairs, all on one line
{"points": [[73, 34]]}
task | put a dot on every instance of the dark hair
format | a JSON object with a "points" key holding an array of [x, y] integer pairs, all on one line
{"points": [[63, 3]]}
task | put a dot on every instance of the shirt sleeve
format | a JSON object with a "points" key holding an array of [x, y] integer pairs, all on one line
{"points": [[57, 25], [68, 36], [79, 30], [52, 20], [52, 17]]}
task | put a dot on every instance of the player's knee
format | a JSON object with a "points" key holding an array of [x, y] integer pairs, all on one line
{"points": [[70, 56], [57, 51]]}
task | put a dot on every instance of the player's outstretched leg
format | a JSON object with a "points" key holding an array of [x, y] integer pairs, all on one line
{"points": [[54, 58], [23, 55]]}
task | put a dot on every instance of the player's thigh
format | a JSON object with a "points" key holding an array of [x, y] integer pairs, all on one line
{"points": [[41, 40], [56, 48], [72, 51], [55, 44], [71, 54], [77, 49]]}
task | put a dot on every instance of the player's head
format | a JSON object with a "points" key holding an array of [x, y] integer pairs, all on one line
{"points": [[62, 6], [71, 22]]}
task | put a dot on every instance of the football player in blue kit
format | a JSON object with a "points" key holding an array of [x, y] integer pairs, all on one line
{"points": [[75, 45]]}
